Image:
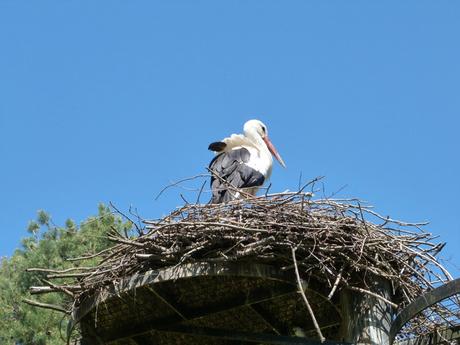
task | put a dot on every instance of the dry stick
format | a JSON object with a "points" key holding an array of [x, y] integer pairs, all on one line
{"points": [[179, 182], [34, 290], [236, 227], [130, 242], [187, 254], [276, 196], [183, 199], [140, 231], [58, 287], [229, 185], [337, 281], [300, 191], [434, 262], [68, 275], [92, 255], [389, 220], [268, 189], [33, 269], [310, 310], [40, 289], [119, 248], [126, 217], [45, 305], [363, 220], [414, 271], [143, 256], [199, 194], [373, 294]]}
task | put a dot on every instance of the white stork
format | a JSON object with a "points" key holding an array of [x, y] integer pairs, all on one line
{"points": [[243, 161]]}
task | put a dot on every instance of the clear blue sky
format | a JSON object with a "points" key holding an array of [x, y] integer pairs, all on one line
{"points": [[110, 100]]}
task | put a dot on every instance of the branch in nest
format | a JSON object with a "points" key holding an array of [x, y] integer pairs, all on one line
{"points": [[373, 294], [310, 310], [45, 305], [34, 290]]}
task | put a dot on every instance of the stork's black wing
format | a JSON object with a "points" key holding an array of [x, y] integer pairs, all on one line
{"points": [[230, 167]]}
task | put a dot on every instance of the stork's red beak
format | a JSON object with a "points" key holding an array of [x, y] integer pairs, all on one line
{"points": [[273, 151]]}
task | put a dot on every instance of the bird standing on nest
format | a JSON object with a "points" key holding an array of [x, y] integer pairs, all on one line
{"points": [[242, 161]]}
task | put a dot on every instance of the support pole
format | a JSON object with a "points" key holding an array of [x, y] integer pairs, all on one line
{"points": [[367, 319]]}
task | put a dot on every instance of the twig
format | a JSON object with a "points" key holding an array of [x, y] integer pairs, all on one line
{"points": [[310, 310], [126, 217], [35, 290], [129, 242], [199, 194], [183, 198], [224, 225], [268, 189], [229, 186], [91, 256], [68, 275], [59, 288], [373, 294], [33, 269], [173, 184], [45, 305], [336, 283], [139, 227]]}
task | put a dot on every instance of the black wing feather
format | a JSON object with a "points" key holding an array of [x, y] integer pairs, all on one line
{"points": [[217, 146], [230, 166]]}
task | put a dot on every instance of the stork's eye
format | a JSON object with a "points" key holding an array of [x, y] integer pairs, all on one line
{"points": [[264, 130]]}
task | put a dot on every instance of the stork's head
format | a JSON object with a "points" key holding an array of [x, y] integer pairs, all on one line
{"points": [[257, 130]]}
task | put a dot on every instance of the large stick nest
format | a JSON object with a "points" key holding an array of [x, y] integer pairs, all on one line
{"points": [[339, 242]]}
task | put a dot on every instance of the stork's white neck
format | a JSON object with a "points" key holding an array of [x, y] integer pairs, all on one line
{"points": [[255, 138], [262, 160]]}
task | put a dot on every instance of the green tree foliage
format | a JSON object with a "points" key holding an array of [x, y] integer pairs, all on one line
{"points": [[48, 246]]}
